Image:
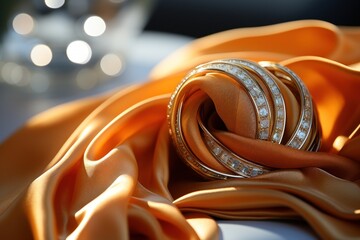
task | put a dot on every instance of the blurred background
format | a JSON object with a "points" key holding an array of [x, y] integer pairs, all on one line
{"points": [[198, 18], [55, 51]]}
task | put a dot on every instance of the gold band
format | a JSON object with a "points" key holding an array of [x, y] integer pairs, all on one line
{"points": [[261, 83], [227, 158], [305, 127]]}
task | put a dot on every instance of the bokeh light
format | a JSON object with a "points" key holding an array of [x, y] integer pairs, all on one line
{"points": [[87, 78], [111, 64], [41, 55], [14, 74], [23, 23], [79, 52], [94, 26], [54, 3]]}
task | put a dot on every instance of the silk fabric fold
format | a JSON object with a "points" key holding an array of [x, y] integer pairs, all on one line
{"points": [[105, 167]]}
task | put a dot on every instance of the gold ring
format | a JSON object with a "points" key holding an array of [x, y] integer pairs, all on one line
{"points": [[265, 84]]}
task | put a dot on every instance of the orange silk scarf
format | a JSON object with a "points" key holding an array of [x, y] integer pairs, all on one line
{"points": [[105, 168]]}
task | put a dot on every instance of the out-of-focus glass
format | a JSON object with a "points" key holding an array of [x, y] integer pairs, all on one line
{"points": [[52, 45]]}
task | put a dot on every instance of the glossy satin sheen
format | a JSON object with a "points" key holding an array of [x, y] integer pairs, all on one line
{"points": [[105, 168]]}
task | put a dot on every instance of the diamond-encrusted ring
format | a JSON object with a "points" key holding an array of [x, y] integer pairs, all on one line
{"points": [[227, 158], [264, 84], [276, 96]]}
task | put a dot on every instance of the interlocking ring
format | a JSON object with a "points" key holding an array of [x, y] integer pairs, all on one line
{"points": [[261, 81]]}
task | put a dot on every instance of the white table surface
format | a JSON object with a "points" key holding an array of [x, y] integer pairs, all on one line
{"points": [[17, 105]]}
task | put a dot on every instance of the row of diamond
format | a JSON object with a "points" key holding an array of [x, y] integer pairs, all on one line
{"points": [[228, 159], [303, 127], [278, 100], [174, 116], [191, 159], [254, 90], [174, 95]]}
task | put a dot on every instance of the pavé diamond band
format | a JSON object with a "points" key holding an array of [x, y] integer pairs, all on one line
{"points": [[266, 84]]}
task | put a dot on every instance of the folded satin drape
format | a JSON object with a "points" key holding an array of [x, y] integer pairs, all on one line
{"points": [[105, 168]]}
